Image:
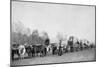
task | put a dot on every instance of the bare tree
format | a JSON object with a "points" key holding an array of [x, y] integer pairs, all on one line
{"points": [[19, 33]]}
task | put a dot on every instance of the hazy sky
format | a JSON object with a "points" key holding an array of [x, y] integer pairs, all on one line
{"points": [[53, 18]]}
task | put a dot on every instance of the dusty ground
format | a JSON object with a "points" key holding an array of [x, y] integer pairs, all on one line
{"points": [[86, 55]]}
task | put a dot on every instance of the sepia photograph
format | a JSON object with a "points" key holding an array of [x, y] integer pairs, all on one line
{"points": [[51, 33]]}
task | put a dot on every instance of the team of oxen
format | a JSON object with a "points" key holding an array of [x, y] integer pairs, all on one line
{"points": [[53, 48]]}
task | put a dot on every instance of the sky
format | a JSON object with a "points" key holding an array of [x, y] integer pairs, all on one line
{"points": [[67, 20]]}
